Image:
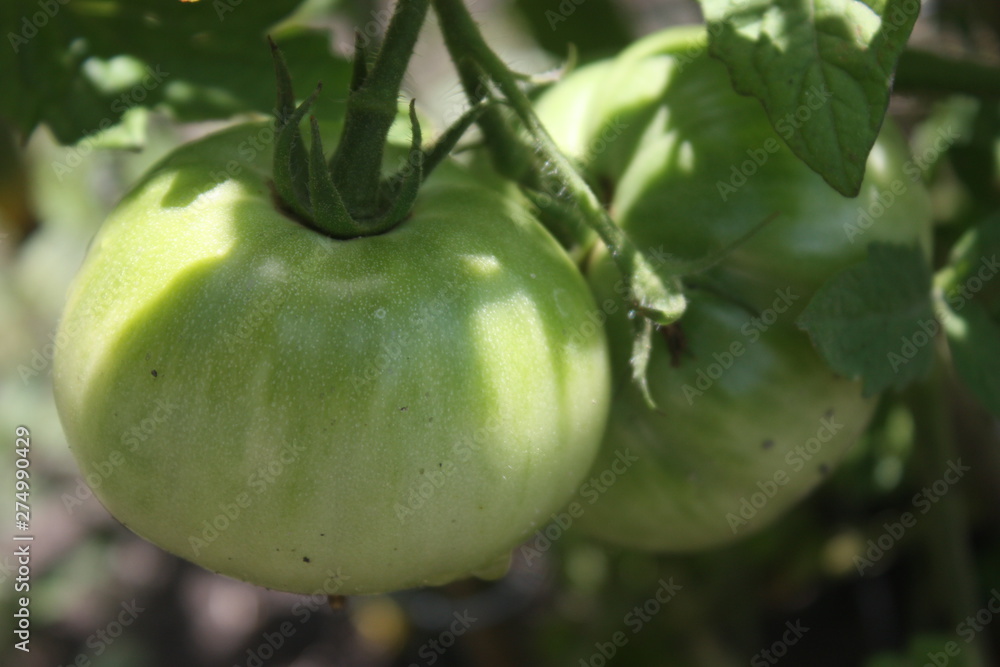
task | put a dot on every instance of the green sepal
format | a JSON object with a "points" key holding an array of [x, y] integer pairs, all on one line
{"points": [[642, 349], [328, 211], [450, 138], [536, 82], [296, 190], [658, 299], [409, 178], [290, 167]]}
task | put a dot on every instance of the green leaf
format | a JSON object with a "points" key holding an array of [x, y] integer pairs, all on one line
{"points": [[970, 296], [822, 69], [875, 320], [79, 66]]}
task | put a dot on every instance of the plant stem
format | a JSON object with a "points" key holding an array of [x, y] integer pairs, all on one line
{"points": [[510, 156], [356, 166], [947, 540], [651, 297]]}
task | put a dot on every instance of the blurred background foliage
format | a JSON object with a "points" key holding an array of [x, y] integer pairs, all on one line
{"points": [[108, 87]]}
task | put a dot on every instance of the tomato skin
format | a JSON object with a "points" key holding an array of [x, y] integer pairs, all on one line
{"points": [[687, 167], [278, 406], [748, 420], [693, 166]]}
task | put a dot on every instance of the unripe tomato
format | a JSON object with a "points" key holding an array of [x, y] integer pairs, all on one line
{"points": [[748, 420], [277, 405]]}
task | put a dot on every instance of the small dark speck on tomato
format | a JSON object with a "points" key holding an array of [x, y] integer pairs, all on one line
{"points": [[824, 469], [404, 409], [767, 444], [420, 470], [305, 559], [829, 413], [154, 372]]}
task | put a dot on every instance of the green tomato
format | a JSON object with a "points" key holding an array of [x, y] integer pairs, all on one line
{"points": [[691, 166], [748, 420], [282, 407]]}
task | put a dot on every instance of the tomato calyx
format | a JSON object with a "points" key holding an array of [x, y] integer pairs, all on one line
{"points": [[304, 180], [348, 197]]}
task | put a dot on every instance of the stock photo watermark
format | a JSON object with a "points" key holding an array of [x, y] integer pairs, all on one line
{"points": [[883, 200], [432, 650], [635, 620], [159, 414], [591, 491], [752, 330], [132, 97], [779, 648], [270, 642], [433, 480], [796, 461], [922, 501], [23, 538], [32, 23], [739, 174], [927, 329], [257, 483]]}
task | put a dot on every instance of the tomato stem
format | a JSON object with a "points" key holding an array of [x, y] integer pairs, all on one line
{"points": [[356, 165], [510, 156], [658, 301], [947, 536], [363, 203]]}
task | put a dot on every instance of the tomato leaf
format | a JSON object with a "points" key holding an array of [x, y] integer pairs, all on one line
{"points": [[822, 69], [971, 297], [78, 67], [875, 320]]}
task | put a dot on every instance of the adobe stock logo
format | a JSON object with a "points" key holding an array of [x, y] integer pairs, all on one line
{"points": [[30, 25]]}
